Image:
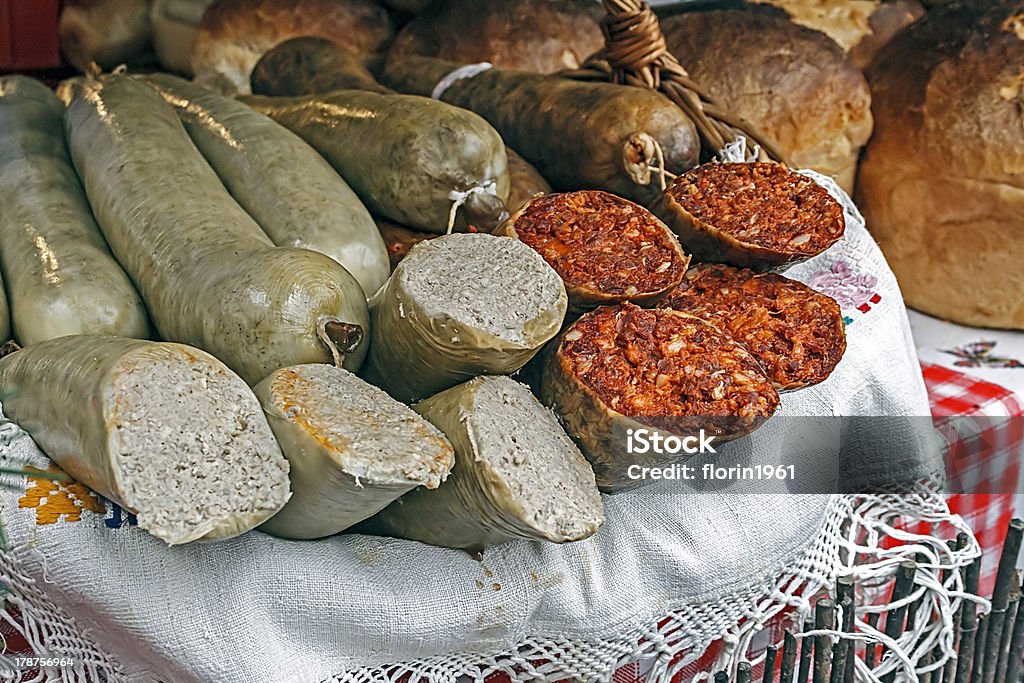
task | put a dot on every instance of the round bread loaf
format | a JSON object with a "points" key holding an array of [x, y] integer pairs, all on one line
{"points": [[942, 182], [861, 27], [175, 23], [794, 83], [533, 35], [108, 32], [234, 34]]}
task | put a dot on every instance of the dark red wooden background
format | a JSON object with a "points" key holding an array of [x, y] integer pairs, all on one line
{"points": [[28, 34]]}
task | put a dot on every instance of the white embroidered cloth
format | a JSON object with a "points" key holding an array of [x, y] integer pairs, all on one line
{"points": [[258, 608]]}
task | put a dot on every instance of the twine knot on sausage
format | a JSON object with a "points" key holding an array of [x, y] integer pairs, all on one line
{"points": [[634, 44], [636, 53], [460, 197]]}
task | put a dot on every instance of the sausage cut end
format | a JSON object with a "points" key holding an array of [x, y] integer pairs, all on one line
{"points": [[605, 248], [796, 333], [194, 455], [352, 448], [667, 369], [757, 214]]}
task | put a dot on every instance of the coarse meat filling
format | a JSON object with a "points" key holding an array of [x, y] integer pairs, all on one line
{"points": [[762, 204], [602, 242], [795, 332], [652, 364]]}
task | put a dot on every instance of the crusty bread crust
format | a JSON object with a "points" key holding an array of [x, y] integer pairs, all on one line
{"points": [[107, 32], [860, 27], [543, 36], [794, 83], [234, 34], [942, 181]]}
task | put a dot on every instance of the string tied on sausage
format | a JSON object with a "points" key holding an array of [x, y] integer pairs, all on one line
{"points": [[663, 173], [643, 155], [463, 72], [460, 197], [738, 151], [636, 53]]}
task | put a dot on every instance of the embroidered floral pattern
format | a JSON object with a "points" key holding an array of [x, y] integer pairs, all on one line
{"points": [[850, 289], [979, 355], [54, 499]]}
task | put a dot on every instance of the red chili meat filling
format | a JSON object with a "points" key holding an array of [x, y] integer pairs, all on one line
{"points": [[602, 242], [762, 204], [795, 332], [658, 364]]}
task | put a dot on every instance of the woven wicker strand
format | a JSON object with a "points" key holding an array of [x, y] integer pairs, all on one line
{"points": [[635, 53]]}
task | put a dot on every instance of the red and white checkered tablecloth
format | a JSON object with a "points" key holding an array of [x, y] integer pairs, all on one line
{"points": [[984, 427], [984, 450]]}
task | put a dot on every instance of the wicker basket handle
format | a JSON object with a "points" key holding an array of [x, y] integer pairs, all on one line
{"points": [[635, 53]]}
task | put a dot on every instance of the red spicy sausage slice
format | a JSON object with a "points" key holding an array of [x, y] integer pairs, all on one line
{"points": [[605, 248], [622, 368], [796, 333], [759, 215]]}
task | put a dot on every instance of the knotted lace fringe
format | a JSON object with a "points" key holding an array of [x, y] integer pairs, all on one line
{"points": [[852, 542]]}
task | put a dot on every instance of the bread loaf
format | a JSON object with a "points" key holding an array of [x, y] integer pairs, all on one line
{"points": [[860, 27], [532, 35], [942, 181], [175, 23], [107, 32], [795, 84], [234, 34]]}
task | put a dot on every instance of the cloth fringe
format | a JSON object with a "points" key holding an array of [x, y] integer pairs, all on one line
{"points": [[856, 540], [864, 537]]}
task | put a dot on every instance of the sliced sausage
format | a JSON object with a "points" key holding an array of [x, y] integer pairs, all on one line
{"points": [[517, 474], [460, 306], [164, 430], [757, 215], [622, 368], [351, 447], [795, 333], [606, 249]]}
